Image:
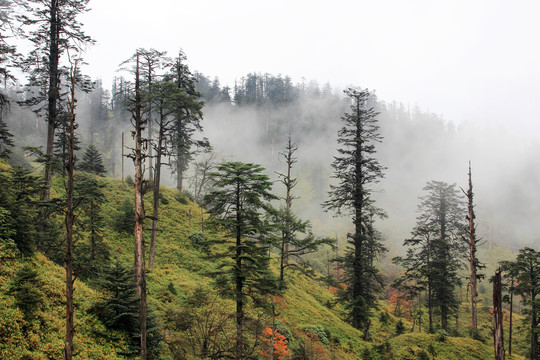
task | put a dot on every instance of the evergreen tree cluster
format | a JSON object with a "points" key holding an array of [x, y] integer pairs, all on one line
{"points": [[166, 102]]}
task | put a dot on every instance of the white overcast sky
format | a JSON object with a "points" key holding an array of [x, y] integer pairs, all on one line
{"points": [[474, 60]]}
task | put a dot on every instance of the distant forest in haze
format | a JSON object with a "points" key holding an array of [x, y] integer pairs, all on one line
{"points": [[252, 120], [175, 217]]}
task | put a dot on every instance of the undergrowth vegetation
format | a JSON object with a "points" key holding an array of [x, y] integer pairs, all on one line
{"points": [[194, 319]]}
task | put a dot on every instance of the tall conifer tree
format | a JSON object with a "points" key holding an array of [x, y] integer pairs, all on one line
{"points": [[241, 196], [188, 115], [436, 250], [357, 169], [53, 28]]}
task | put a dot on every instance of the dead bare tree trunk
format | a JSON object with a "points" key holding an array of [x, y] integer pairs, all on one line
{"points": [[498, 338], [289, 183], [70, 218], [474, 264]]}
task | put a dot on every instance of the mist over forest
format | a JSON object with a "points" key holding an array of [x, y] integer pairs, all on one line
{"points": [[417, 146], [167, 215]]}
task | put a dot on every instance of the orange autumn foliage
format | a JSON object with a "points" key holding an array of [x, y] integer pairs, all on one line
{"points": [[280, 344], [400, 302]]}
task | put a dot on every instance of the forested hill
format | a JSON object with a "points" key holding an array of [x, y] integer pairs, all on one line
{"points": [[175, 218], [190, 313], [260, 111]]}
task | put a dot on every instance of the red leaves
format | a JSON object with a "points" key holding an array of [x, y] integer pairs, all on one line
{"points": [[273, 340]]}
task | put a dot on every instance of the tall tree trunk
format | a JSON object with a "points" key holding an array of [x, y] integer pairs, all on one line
{"points": [[157, 180], [511, 312], [150, 123], [140, 279], [283, 260], [53, 93], [93, 234], [239, 281], [430, 307], [358, 290], [179, 167], [473, 261], [498, 339], [446, 255], [289, 184], [535, 350], [70, 218]]}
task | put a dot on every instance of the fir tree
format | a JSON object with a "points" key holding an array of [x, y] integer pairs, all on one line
{"points": [[187, 120], [291, 236], [54, 29], [7, 57], [93, 255], [6, 138], [25, 287], [525, 270], [356, 170], [241, 196], [92, 161], [119, 309], [19, 196], [436, 248]]}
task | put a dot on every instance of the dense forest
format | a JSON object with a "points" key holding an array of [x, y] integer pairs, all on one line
{"points": [[173, 217]]}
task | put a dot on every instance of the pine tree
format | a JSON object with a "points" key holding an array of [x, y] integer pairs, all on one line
{"points": [[93, 255], [53, 27], [151, 60], [119, 309], [474, 264], [7, 56], [165, 97], [525, 270], [70, 220], [498, 337], [19, 196], [418, 264], [356, 170], [292, 236], [25, 287], [6, 138], [92, 161], [188, 116], [436, 248], [241, 196]]}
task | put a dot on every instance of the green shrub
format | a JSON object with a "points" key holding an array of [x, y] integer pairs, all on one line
{"points": [[199, 241], [383, 351], [124, 220], [319, 332], [181, 197], [441, 335], [25, 287], [475, 335], [400, 328], [384, 317], [423, 355], [129, 181], [163, 199]]}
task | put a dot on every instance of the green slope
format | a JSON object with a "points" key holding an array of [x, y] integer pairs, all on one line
{"points": [[183, 296]]}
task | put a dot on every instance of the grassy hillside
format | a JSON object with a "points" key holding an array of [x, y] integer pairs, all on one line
{"points": [[189, 309]]}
